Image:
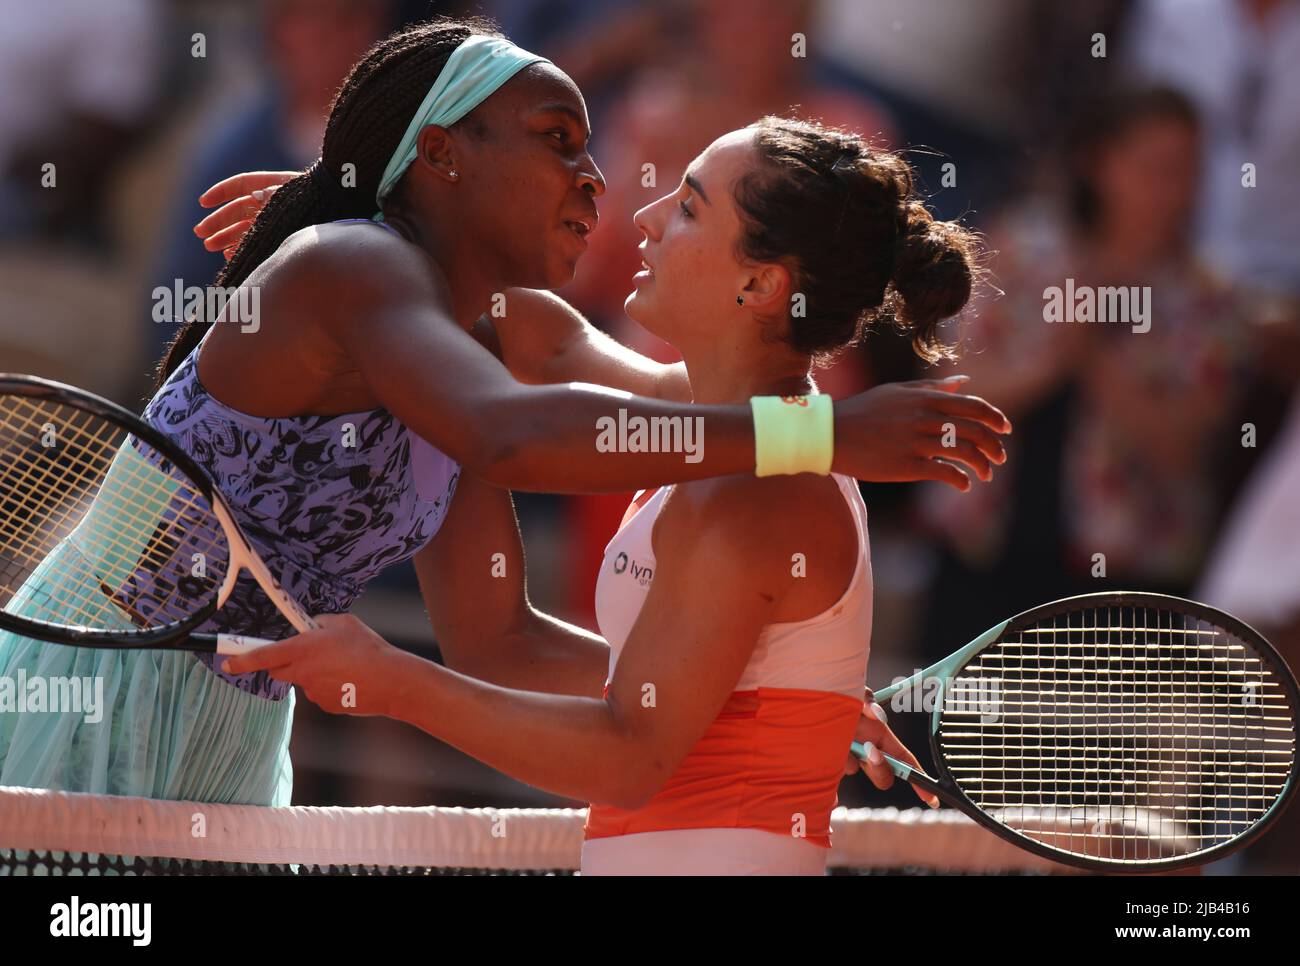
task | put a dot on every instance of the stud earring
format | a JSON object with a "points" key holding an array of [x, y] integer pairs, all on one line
{"points": [[740, 300], [453, 173]]}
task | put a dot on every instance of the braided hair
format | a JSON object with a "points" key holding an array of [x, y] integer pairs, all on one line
{"points": [[367, 119]]}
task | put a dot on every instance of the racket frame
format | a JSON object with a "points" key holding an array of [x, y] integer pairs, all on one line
{"points": [[180, 635], [950, 667]]}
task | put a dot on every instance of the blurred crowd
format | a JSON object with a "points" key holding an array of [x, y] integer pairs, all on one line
{"points": [[1137, 143]]}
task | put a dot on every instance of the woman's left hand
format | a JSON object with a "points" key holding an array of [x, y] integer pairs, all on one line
{"points": [[240, 198], [344, 666]]}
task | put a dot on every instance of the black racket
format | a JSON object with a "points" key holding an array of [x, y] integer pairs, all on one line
{"points": [[1113, 731], [110, 535]]}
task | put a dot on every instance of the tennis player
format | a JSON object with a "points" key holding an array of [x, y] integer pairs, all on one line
{"points": [[340, 423], [737, 611]]}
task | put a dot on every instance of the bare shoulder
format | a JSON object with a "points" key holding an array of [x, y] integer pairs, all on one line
{"points": [[788, 542], [344, 264], [769, 516]]}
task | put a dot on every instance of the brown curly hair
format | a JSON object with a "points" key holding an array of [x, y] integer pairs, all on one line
{"points": [[847, 220]]}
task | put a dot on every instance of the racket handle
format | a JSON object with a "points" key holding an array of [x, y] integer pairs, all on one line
{"points": [[901, 770], [233, 643]]}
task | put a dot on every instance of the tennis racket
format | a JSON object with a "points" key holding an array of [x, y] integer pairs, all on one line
{"points": [[1113, 731], [110, 535]]}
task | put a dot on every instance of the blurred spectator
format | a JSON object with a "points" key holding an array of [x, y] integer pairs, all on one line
{"points": [[1239, 61], [1119, 434], [308, 48], [77, 79]]}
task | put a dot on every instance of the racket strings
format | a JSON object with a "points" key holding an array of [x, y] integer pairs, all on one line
{"points": [[57, 515], [1121, 733], [97, 549], [126, 514], [96, 527], [56, 511], [47, 498], [27, 547], [20, 487]]}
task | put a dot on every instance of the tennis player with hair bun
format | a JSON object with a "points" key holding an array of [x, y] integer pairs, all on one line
{"points": [[472, 178], [711, 737]]}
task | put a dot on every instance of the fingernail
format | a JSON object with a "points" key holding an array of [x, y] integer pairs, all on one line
{"points": [[879, 712], [934, 802], [873, 754], [259, 195]]}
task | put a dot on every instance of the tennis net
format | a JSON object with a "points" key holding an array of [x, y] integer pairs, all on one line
{"points": [[60, 833]]}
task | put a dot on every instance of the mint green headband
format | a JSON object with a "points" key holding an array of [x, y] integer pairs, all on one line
{"points": [[472, 73]]}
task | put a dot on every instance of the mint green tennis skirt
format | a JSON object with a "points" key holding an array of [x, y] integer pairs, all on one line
{"points": [[167, 726]]}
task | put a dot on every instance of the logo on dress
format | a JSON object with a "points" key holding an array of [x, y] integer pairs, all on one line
{"points": [[640, 573]]}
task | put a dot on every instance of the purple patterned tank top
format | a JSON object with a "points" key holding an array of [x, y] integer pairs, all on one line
{"points": [[326, 517]]}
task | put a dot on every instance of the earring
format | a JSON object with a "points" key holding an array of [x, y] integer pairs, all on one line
{"points": [[740, 300], [453, 174]]}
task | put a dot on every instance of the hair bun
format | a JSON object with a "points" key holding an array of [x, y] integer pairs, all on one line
{"points": [[934, 272]]}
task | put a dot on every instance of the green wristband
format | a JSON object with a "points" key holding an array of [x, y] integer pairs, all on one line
{"points": [[793, 434]]}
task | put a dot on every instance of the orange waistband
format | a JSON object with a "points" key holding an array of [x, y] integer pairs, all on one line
{"points": [[771, 760]]}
